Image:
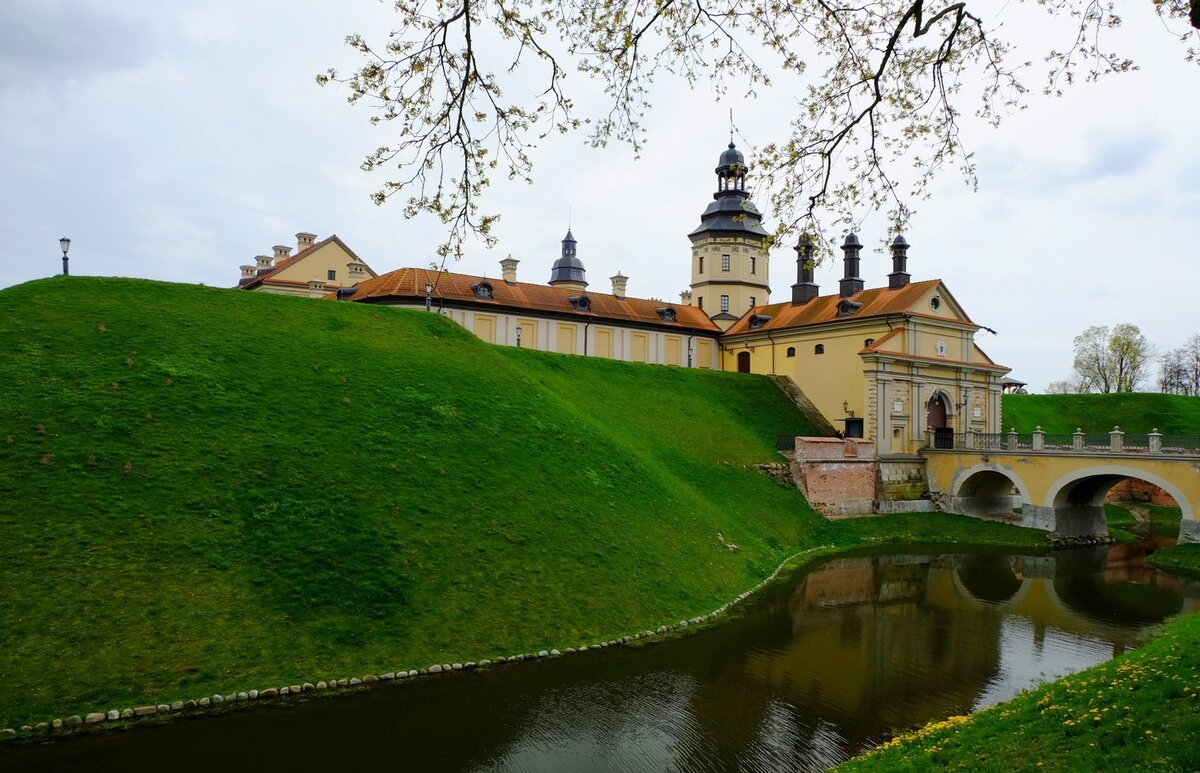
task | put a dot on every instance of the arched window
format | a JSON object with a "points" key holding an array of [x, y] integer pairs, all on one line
{"points": [[867, 343], [791, 351], [819, 349]]}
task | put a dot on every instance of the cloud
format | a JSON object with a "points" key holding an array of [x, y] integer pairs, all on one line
{"points": [[46, 43]]}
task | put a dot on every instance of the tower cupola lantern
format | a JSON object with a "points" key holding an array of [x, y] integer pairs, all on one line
{"points": [[850, 283], [899, 276], [731, 171]]}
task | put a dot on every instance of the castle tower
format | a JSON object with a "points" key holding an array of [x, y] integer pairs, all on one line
{"points": [[729, 253], [568, 271]]}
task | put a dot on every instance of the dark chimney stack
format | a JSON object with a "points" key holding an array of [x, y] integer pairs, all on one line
{"points": [[851, 283], [899, 276], [805, 289]]}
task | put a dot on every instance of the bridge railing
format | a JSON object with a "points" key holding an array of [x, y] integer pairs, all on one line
{"points": [[1114, 441]]}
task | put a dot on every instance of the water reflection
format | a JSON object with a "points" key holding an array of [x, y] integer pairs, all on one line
{"points": [[815, 672]]}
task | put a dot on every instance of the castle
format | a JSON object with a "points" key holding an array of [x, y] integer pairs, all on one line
{"points": [[896, 365]]}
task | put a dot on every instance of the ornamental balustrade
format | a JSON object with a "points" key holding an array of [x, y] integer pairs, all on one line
{"points": [[1113, 442]]}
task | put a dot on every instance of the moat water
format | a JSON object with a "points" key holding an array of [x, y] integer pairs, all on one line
{"points": [[812, 672]]}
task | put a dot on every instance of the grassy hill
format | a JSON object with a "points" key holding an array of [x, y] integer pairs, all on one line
{"points": [[205, 490], [1136, 412]]}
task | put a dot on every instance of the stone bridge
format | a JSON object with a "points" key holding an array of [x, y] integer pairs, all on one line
{"points": [[1059, 484]]}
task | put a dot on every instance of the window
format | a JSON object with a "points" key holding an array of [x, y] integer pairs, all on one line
{"points": [[724, 262], [753, 300], [700, 302], [331, 275], [819, 349], [935, 303], [725, 300], [482, 290], [753, 266], [791, 351], [867, 343], [701, 264]]}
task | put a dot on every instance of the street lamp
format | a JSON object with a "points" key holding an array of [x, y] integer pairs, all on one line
{"points": [[64, 244], [429, 296]]}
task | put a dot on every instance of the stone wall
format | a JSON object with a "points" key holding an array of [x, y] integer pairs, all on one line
{"points": [[902, 479]]}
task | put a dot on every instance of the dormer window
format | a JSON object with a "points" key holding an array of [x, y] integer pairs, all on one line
{"points": [[581, 302], [758, 320], [847, 307], [665, 313], [482, 290]]}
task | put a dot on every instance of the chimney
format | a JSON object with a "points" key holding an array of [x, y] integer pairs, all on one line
{"points": [[850, 283], [247, 272], [685, 298], [899, 276], [618, 283], [805, 289], [356, 271], [316, 284], [281, 252], [508, 269], [262, 264], [304, 241]]}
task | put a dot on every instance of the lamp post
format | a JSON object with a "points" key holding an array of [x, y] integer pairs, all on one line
{"points": [[64, 244], [429, 296], [518, 336]]}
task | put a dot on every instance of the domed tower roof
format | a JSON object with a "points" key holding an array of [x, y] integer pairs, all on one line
{"points": [[731, 211], [730, 157], [568, 269]]}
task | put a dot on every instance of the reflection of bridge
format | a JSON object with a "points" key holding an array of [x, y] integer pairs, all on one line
{"points": [[1060, 485]]}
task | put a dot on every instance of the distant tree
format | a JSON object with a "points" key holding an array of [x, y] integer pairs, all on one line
{"points": [[1066, 386], [468, 87], [1110, 360], [1179, 369]]}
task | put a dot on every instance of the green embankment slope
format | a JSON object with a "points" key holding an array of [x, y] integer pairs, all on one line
{"points": [[204, 490], [1137, 412]]}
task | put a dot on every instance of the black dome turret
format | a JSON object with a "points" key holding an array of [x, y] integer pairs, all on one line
{"points": [[731, 211], [568, 269]]}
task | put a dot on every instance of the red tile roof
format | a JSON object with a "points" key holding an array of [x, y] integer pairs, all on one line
{"points": [[409, 284], [876, 302]]}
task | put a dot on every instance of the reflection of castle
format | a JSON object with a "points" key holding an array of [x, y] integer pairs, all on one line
{"points": [[887, 363]]}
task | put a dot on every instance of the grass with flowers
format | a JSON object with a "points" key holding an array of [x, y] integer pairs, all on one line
{"points": [[1140, 711]]}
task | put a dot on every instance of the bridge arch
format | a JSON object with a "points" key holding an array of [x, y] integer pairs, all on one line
{"points": [[1088, 487], [987, 489], [1077, 498]]}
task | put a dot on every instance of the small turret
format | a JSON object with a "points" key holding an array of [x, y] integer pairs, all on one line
{"points": [[899, 276], [805, 288], [850, 283]]}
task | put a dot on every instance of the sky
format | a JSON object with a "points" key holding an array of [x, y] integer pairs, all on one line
{"points": [[176, 141]]}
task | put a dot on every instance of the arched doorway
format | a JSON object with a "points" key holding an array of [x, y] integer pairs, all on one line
{"points": [[743, 362], [936, 412]]}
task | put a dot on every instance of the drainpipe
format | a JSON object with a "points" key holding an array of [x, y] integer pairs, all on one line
{"points": [[586, 325], [689, 347], [772, 340]]}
